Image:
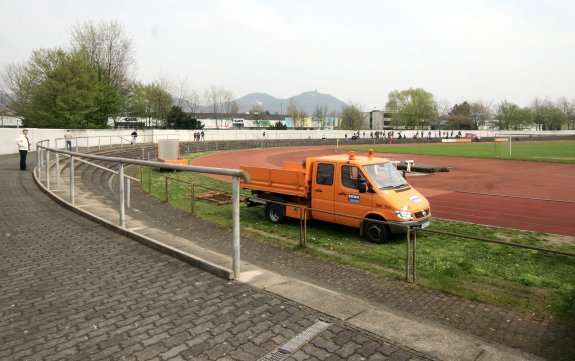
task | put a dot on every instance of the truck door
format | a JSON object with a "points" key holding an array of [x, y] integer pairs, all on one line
{"points": [[349, 200], [323, 191]]}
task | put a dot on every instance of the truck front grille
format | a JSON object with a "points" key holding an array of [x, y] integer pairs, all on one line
{"points": [[424, 213]]}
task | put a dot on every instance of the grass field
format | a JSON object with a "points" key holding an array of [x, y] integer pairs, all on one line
{"points": [[551, 151], [525, 280]]}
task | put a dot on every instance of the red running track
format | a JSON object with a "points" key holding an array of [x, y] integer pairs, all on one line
{"points": [[524, 195]]}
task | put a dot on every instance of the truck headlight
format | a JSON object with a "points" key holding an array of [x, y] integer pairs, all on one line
{"points": [[405, 215]]}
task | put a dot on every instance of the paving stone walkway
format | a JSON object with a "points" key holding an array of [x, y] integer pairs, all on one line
{"points": [[73, 290]]}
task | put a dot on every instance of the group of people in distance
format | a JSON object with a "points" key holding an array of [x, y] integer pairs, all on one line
{"points": [[199, 136]]}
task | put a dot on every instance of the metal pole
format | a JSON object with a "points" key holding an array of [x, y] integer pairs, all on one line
{"points": [[128, 192], [38, 163], [166, 188], [301, 228], [121, 194], [57, 169], [236, 225], [149, 180], [407, 257], [305, 228], [193, 198], [71, 166], [414, 262], [47, 170]]}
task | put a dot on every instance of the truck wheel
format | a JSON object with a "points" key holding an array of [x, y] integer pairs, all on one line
{"points": [[376, 232], [275, 212]]}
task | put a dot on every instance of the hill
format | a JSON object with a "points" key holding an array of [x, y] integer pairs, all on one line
{"points": [[307, 102]]}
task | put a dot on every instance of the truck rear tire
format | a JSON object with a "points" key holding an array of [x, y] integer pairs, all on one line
{"points": [[275, 213], [376, 232]]}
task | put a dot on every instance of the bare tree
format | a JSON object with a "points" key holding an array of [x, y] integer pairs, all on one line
{"points": [[568, 108], [109, 49], [16, 85], [220, 104], [480, 112], [443, 108]]}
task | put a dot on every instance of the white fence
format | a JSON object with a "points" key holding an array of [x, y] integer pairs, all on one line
{"points": [[97, 137]]}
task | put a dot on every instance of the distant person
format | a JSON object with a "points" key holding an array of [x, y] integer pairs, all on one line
{"points": [[23, 147], [202, 134], [134, 137], [264, 135], [68, 138]]}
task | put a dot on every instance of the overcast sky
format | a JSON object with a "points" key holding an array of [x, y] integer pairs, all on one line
{"points": [[355, 50]]}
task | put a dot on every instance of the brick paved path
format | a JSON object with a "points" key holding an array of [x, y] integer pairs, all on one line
{"points": [[70, 289]]}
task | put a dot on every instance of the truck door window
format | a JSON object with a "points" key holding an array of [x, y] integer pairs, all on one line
{"points": [[325, 174], [350, 176]]}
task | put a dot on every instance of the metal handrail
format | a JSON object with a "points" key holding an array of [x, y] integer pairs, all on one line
{"points": [[234, 173]]}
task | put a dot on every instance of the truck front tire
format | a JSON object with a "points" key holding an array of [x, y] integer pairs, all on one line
{"points": [[275, 213], [376, 232]]}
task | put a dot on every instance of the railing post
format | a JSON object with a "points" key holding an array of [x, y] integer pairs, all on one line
{"points": [[236, 225], [121, 194], [167, 190], [407, 256], [193, 201], [413, 268], [149, 180], [38, 162], [57, 169], [71, 166], [128, 192], [48, 169]]}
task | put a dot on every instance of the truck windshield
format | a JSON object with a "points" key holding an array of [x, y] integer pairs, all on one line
{"points": [[385, 175]]}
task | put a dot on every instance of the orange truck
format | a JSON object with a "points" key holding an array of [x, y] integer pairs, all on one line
{"points": [[352, 190]]}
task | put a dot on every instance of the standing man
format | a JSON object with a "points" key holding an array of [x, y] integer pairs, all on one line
{"points": [[23, 147], [68, 138], [134, 137]]}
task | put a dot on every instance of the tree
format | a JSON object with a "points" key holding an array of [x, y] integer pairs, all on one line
{"points": [[510, 116], [319, 116], [295, 114], [547, 115], [568, 108], [480, 113], [219, 102], [177, 119], [109, 49], [67, 93], [150, 101], [459, 117], [351, 117], [412, 108]]}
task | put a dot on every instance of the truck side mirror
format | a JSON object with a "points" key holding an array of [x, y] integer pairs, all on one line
{"points": [[362, 186]]}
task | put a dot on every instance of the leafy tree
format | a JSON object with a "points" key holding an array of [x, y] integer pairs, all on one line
{"points": [[177, 119], [351, 117], [547, 115], [412, 108], [68, 93], [150, 101], [510, 116], [459, 117], [278, 126]]}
